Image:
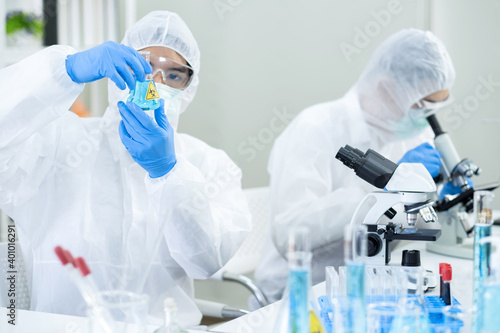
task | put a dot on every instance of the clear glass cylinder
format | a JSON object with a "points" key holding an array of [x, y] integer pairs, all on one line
{"points": [[483, 208], [118, 311], [299, 262], [488, 295], [298, 312], [355, 239]]}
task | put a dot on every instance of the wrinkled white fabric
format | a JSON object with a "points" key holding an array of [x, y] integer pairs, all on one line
{"points": [[70, 181], [309, 186]]}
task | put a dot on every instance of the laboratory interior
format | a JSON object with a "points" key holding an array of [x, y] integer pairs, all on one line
{"points": [[271, 166]]}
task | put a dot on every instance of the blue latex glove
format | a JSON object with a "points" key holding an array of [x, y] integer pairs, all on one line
{"points": [[150, 144], [426, 154], [452, 189], [110, 60]]}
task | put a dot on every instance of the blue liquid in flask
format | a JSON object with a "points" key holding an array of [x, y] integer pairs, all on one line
{"points": [[145, 95]]}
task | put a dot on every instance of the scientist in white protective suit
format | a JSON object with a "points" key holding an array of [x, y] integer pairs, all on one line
{"points": [[123, 190], [409, 74]]}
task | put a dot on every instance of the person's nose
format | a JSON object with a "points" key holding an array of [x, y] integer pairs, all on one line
{"points": [[158, 78]]}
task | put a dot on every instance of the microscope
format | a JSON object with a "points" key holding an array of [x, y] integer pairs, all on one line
{"points": [[455, 212], [407, 184]]}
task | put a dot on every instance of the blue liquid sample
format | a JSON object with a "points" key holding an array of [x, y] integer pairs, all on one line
{"points": [[482, 254], [491, 303], [145, 95], [355, 290], [298, 285]]}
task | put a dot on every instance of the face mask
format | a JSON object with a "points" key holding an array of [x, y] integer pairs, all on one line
{"points": [[172, 103], [408, 127]]}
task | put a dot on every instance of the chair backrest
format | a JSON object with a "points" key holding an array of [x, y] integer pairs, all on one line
{"points": [[20, 284], [248, 255]]}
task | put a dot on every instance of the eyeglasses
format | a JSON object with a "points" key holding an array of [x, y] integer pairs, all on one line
{"points": [[172, 73], [424, 108]]}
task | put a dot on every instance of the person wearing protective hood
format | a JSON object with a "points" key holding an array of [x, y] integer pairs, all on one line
{"points": [[148, 208], [381, 111]]}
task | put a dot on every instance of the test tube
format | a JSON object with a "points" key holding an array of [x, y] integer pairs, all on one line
{"points": [[483, 205], [332, 282], [447, 273], [299, 261], [489, 297], [355, 238]]}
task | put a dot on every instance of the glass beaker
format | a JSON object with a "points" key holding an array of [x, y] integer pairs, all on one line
{"points": [[379, 317], [145, 94], [411, 316], [118, 311]]}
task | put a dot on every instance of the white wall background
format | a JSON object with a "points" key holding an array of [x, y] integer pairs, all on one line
{"points": [[470, 31], [260, 58]]}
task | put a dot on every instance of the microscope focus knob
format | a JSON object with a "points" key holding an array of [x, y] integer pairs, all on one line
{"points": [[410, 258], [374, 244]]}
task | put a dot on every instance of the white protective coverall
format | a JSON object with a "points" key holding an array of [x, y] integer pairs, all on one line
{"points": [[70, 181], [310, 187]]}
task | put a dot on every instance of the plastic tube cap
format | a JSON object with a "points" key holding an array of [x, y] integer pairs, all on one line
{"points": [[61, 255], [447, 273], [442, 266], [82, 266], [70, 258]]}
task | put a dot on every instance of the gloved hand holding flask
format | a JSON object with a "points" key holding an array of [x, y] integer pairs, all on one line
{"points": [[150, 144], [118, 62]]}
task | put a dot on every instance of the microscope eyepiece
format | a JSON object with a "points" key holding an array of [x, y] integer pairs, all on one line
{"points": [[351, 157], [370, 166]]}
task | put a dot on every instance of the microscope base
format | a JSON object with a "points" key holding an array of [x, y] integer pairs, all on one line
{"points": [[464, 250]]}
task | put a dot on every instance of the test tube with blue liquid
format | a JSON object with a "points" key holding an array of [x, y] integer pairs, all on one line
{"points": [[483, 206], [355, 254], [299, 262], [145, 94], [490, 289]]}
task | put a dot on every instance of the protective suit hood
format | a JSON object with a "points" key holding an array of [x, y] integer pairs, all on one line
{"points": [[405, 68], [159, 28]]}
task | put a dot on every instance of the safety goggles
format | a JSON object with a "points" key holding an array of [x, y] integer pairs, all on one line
{"points": [[424, 108], [171, 73]]}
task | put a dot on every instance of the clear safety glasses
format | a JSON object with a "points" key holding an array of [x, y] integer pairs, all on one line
{"points": [[424, 108], [171, 73]]}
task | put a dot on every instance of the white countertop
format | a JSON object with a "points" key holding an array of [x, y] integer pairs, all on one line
{"points": [[40, 322]]}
